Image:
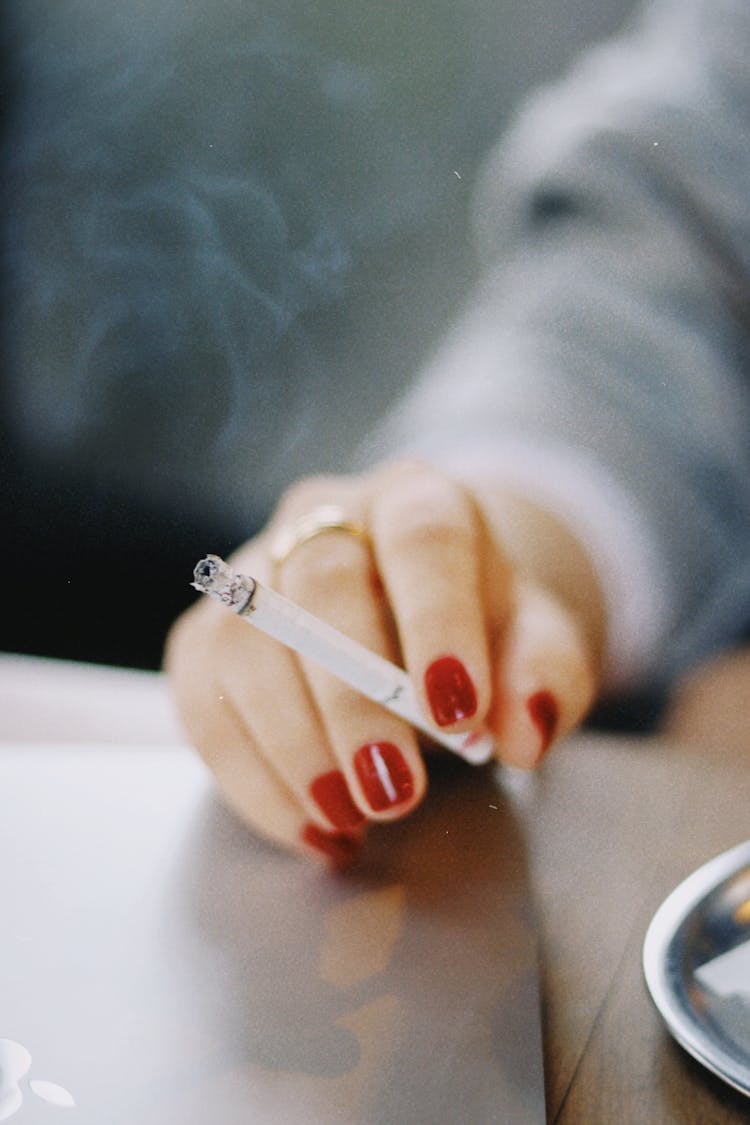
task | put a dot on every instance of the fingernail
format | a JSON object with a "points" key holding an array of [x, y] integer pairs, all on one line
{"points": [[385, 777], [450, 692], [338, 848], [544, 712], [331, 794]]}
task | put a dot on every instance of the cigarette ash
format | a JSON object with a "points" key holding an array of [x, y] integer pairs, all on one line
{"points": [[213, 576]]}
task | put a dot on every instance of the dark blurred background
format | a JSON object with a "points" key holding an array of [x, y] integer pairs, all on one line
{"points": [[230, 234]]}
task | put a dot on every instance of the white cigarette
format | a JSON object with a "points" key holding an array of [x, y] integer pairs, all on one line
{"points": [[351, 662]]}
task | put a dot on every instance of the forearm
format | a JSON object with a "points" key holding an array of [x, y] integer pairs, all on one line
{"points": [[616, 248]]}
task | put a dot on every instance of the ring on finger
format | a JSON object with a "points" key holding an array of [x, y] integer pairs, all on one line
{"points": [[321, 520]]}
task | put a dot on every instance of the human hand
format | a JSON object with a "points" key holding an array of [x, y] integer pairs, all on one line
{"points": [[456, 584]]}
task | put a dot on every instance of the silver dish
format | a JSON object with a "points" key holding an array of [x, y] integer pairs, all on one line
{"points": [[706, 917]]}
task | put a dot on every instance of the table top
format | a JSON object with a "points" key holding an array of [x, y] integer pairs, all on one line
{"points": [[612, 829], [611, 825]]}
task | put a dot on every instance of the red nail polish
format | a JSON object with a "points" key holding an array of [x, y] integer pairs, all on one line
{"points": [[341, 850], [383, 774], [544, 712], [331, 794], [450, 692]]}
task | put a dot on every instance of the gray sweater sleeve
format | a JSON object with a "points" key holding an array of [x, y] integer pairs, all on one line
{"points": [[614, 314]]}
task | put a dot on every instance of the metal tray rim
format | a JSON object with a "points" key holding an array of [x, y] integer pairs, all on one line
{"points": [[681, 1021]]}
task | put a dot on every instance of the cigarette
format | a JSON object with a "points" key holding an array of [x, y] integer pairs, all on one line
{"points": [[371, 675]]}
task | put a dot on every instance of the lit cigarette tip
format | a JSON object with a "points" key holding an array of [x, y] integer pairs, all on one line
{"points": [[213, 576], [205, 573]]}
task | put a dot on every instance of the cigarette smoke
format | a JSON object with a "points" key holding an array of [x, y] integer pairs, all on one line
{"points": [[232, 226]]}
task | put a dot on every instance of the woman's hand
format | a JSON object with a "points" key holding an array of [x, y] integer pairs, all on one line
{"points": [[487, 602]]}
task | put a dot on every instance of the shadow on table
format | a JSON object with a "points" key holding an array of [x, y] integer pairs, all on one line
{"points": [[405, 990]]}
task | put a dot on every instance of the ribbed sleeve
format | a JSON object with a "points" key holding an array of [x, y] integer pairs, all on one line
{"points": [[612, 322]]}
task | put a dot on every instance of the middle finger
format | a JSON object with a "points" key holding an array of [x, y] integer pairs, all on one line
{"points": [[428, 542]]}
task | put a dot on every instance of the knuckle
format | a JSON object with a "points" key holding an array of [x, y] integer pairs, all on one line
{"points": [[326, 568], [428, 510], [419, 525], [402, 468]]}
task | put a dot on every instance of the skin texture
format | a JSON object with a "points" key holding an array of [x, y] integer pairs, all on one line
{"points": [[488, 602]]}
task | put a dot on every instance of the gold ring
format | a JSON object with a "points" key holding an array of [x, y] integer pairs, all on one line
{"points": [[328, 517]]}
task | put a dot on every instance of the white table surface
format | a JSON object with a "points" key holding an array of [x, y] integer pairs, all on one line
{"points": [[60, 701]]}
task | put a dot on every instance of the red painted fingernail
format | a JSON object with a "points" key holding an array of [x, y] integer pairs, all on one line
{"points": [[385, 777], [339, 849], [450, 692], [331, 794], [544, 712]]}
